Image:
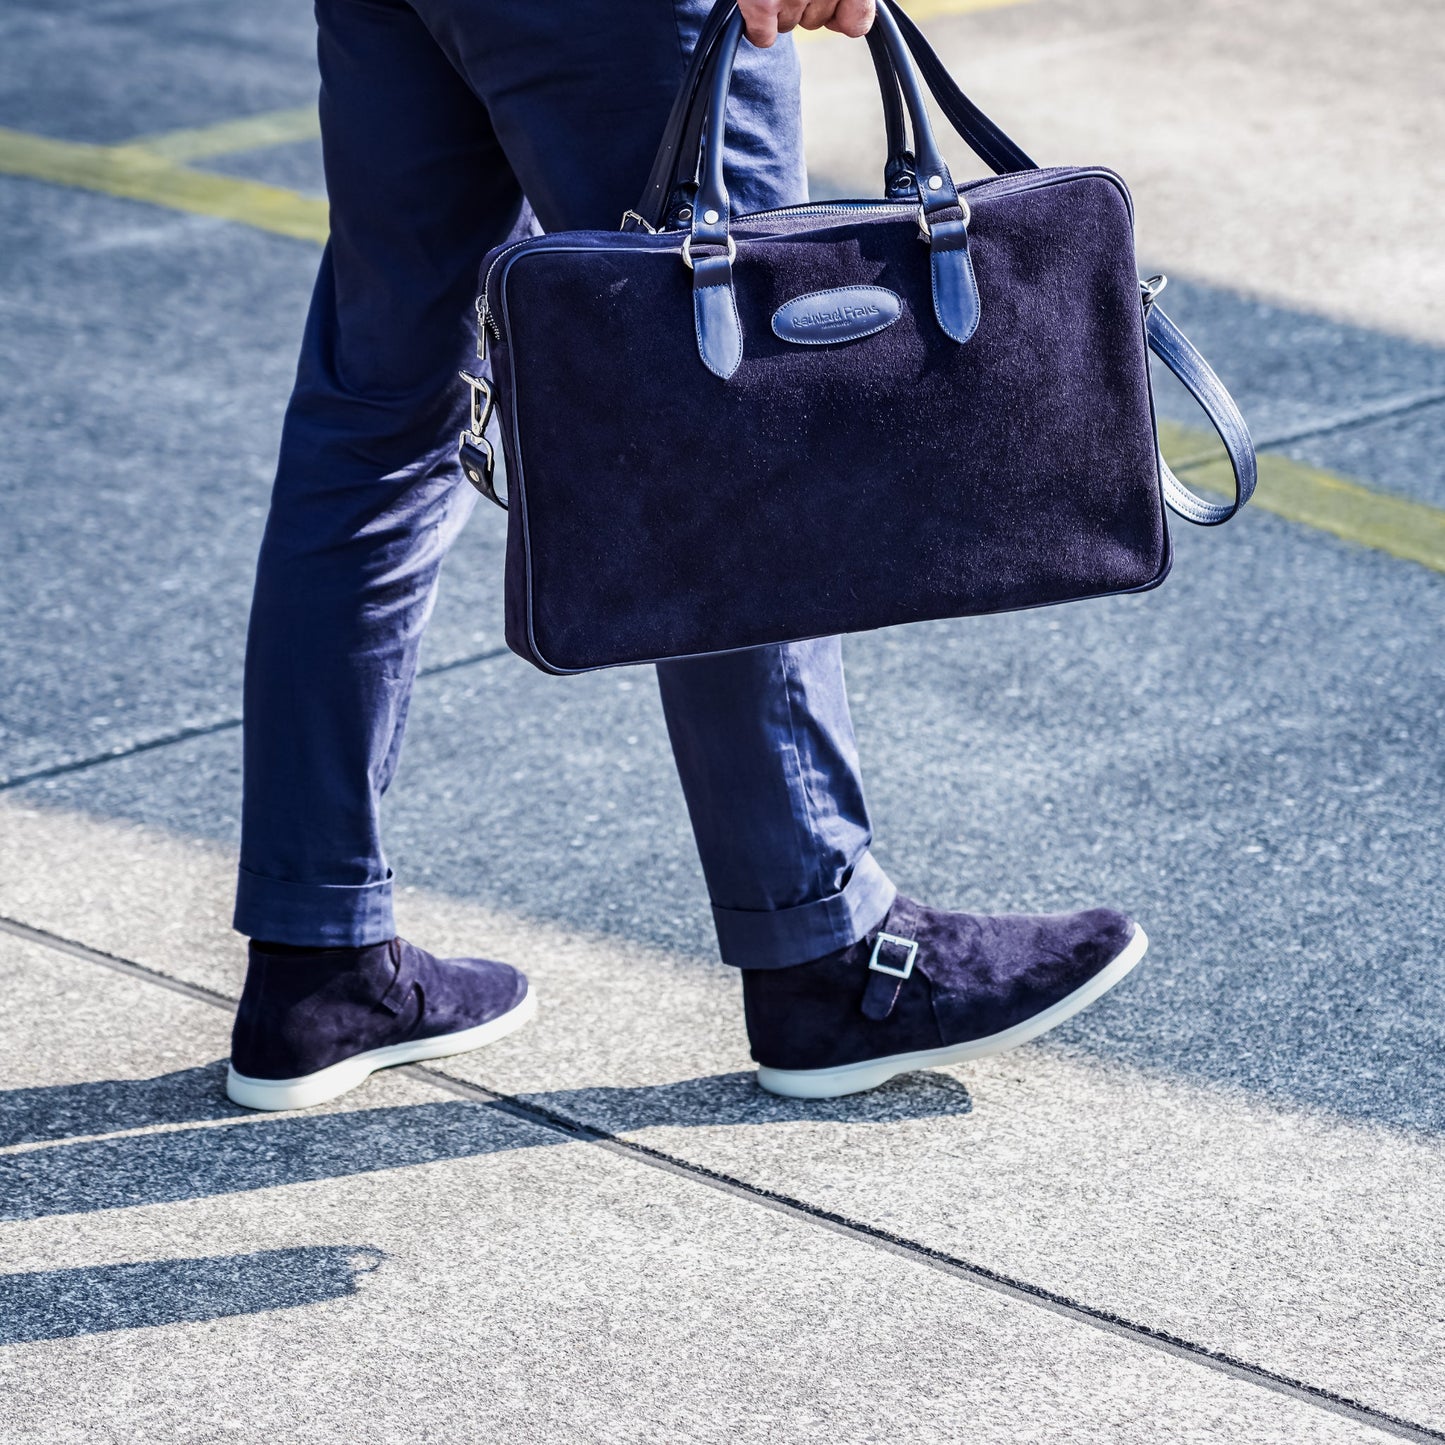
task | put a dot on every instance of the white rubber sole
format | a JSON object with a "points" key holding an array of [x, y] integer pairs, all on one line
{"points": [[331, 1083], [857, 1078]]}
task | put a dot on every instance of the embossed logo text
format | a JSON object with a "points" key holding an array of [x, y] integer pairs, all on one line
{"points": [[847, 313]]}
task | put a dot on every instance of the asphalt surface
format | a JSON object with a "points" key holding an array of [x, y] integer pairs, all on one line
{"points": [[1207, 1209]]}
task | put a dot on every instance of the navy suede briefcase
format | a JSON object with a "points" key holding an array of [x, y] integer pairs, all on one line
{"points": [[722, 431]]}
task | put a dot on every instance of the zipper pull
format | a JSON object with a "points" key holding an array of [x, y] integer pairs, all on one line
{"points": [[484, 321]]}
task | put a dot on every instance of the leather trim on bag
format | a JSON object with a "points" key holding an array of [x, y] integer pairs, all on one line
{"points": [[842, 313], [665, 246]]}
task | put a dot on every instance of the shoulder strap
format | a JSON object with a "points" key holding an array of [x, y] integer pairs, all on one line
{"points": [[1178, 353]]}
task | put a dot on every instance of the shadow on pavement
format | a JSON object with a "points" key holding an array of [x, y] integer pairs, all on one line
{"points": [[63, 1303], [106, 1106], [264, 1152], [721, 1100]]}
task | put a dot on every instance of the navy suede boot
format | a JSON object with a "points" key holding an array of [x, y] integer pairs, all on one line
{"points": [[927, 988], [313, 1023]]}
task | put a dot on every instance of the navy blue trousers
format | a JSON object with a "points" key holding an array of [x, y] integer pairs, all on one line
{"points": [[448, 125]]}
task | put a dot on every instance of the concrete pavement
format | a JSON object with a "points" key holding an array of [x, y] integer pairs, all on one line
{"points": [[1206, 1210]]}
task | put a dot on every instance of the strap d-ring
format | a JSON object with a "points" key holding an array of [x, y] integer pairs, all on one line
{"points": [[474, 451], [925, 231], [687, 252]]}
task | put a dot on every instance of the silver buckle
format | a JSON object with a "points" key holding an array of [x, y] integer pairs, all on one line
{"points": [[482, 404], [687, 252], [925, 231], [475, 436], [1152, 288], [641, 222], [878, 967]]}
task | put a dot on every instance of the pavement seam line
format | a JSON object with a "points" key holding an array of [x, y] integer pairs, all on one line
{"points": [[44, 938], [856, 1230], [201, 730], [1326, 427], [860, 1231]]}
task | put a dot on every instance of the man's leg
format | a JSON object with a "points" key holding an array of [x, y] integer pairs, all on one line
{"points": [[763, 742], [765, 750], [367, 496]]}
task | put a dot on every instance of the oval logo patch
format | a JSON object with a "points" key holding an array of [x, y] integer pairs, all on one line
{"points": [[844, 314]]}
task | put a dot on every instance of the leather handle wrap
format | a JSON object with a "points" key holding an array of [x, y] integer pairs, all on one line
{"points": [[674, 168]]}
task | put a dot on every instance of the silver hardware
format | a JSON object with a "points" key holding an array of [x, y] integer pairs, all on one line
{"points": [[878, 967], [935, 183], [835, 208], [482, 403], [926, 232], [1152, 288], [711, 217], [487, 280], [687, 252], [481, 328], [641, 221], [474, 437]]}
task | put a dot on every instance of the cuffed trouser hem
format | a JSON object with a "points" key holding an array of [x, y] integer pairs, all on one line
{"points": [[781, 937], [313, 915]]}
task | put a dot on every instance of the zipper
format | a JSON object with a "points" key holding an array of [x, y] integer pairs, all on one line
{"points": [[826, 208], [822, 208], [485, 320], [1014, 180]]}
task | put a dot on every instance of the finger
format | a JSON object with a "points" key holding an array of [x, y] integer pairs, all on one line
{"points": [[853, 18], [790, 14], [762, 21], [817, 14]]}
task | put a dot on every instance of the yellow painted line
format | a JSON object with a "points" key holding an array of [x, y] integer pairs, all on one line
{"points": [[137, 173], [149, 170], [1414, 531], [249, 133]]}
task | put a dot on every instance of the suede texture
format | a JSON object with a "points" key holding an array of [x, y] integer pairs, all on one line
{"points": [[300, 1013], [974, 976], [661, 511]]}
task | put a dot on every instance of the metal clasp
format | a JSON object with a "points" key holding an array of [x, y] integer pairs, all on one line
{"points": [[1151, 289], [687, 252], [925, 231], [879, 967], [482, 403], [474, 451]]}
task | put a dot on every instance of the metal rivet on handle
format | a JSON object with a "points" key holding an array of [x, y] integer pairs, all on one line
{"points": [[710, 217], [935, 183]]}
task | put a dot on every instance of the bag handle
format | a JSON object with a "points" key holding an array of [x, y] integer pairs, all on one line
{"points": [[709, 250], [666, 200], [1000, 153], [1165, 339]]}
